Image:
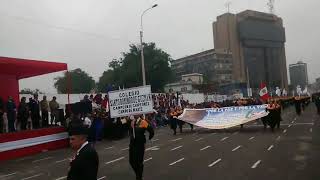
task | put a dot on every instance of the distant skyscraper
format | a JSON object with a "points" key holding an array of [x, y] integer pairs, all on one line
{"points": [[256, 41], [298, 74]]}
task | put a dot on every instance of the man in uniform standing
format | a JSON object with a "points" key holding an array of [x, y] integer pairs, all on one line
{"points": [[35, 111], [44, 111], [54, 106], [137, 143], [84, 165]]}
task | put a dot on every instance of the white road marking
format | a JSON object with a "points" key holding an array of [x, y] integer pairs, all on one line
{"points": [[284, 131], [103, 177], [8, 175], [224, 138], [176, 148], [292, 122], [295, 118], [176, 162], [236, 148], [152, 148], [115, 160], [251, 138], [108, 148], [214, 163], [205, 148], [311, 130], [282, 124], [289, 126], [278, 138], [125, 149], [146, 160], [256, 164], [154, 140], [41, 159], [60, 178], [235, 132], [270, 147], [32, 176], [199, 139], [61, 160], [173, 140]]}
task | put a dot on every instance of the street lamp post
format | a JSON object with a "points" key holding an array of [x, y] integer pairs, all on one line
{"points": [[141, 43]]}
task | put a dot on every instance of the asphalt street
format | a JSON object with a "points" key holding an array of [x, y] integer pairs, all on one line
{"points": [[291, 152]]}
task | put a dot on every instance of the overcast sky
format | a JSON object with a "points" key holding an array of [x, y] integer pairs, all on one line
{"points": [[87, 34]]}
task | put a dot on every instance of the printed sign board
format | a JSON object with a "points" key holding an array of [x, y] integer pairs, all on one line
{"points": [[131, 101]]}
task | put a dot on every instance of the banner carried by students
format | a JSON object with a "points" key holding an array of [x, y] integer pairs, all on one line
{"points": [[221, 118], [131, 101]]}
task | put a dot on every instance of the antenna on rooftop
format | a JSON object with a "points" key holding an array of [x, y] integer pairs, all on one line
{"points": [[228, 4], [271, 6]]}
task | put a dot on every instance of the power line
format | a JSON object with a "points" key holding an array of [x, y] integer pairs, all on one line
{"points": [[31, 21]]}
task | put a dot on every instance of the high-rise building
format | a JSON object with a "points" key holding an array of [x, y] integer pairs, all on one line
{"points": [[298, 74], [257, 43]]}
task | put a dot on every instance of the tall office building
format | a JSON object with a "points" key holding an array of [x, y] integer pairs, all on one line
{"points": [[298, 74], [257, 43]]}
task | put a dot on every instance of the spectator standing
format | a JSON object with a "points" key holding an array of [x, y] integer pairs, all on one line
{"points": [[44, 111], [1, 115], [23, 114], [34, 107], [54, 106], [11, 114]]}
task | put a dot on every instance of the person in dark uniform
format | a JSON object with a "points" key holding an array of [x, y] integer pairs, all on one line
{"points": [[23, 114], [1, 115], [173, 120], [137, 143], [84, 165], [11, 114], [34, 107], [297, 103], [317, 102]]}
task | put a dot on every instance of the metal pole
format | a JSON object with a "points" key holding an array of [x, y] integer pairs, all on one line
{"points": [[141, 43], [142, 59]]}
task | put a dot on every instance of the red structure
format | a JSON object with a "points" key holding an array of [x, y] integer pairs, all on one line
{"points": [[18, 144], [13, 69]]}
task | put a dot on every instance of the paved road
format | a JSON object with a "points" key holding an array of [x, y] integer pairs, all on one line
{"points": [[292, 152]]}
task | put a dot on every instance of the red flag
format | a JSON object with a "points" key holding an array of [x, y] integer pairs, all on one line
{"points": [[264, 92]]}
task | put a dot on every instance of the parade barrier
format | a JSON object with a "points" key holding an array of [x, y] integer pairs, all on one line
{"points": [[24, 143], [221, 118]]}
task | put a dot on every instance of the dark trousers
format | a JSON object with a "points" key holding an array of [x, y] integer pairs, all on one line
{"points": [[11, 120], [35, 121], [23, 124], [318, 109], [1, 122], [53, 117], [136, 155], [45, 118]]}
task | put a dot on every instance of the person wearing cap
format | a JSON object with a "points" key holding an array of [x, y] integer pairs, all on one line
{"points": [[84, 165], [137, 143]]}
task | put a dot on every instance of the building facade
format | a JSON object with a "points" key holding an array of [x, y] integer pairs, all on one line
{"points": [[298, 74], [257, 42], [215, 66], [188, 84]]}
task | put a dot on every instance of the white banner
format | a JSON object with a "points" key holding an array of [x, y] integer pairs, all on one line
{"points": [[221, 118], [131, 101]]}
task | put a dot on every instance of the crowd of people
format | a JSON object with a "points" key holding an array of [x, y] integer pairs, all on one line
{"points": [[33, 114], [94, 111]]}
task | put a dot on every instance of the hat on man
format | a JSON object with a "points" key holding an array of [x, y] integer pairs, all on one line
{"points": [[78, 129]]}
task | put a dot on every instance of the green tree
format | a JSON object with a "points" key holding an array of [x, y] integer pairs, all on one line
{"points": [[81, 82], [127, 70]]}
